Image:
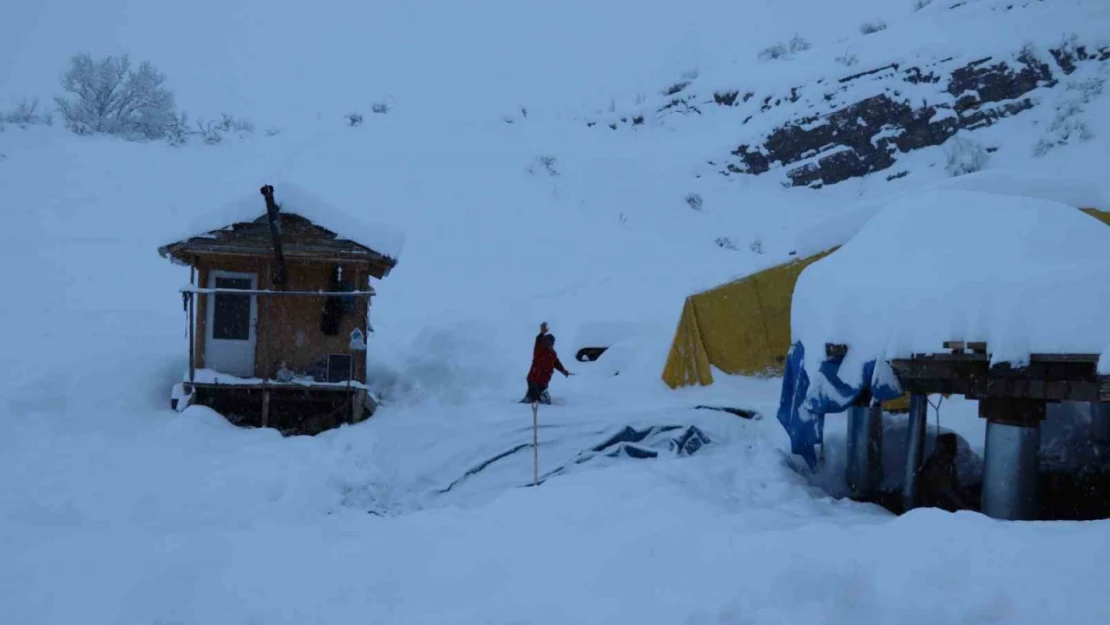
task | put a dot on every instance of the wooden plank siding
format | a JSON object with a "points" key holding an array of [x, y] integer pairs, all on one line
{"points": [[289, 326]]}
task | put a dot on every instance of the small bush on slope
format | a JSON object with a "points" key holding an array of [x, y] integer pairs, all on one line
{"points": [[872, 27], [965, 156], [694, 201], [782, 50], [27, 113]]}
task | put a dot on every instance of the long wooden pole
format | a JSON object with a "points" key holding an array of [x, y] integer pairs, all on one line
{"points": [[535, 445], [192, 322]]}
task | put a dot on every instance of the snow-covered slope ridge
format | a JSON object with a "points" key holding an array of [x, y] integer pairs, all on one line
{"points": [[813, 116]]}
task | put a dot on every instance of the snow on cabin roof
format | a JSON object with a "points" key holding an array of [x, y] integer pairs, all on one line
{"points": [[1071, 192], [1023, 274], [295, 200]]}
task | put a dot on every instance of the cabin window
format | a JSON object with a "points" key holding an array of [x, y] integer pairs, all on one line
{"points": [[231, 316]]}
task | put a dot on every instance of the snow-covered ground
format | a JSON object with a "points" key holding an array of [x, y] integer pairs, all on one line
{"points": [[116, 509]]}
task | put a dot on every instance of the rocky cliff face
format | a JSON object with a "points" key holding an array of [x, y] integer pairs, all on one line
{"points": [[863, 123], [868, 135]]}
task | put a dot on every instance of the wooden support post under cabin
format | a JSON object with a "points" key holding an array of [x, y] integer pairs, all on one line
{"points": [[265, 406], [1010, 477], [357, 400], [915, 450]]}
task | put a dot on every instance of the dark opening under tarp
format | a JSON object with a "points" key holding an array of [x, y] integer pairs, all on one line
{"points": [[802, 412]]}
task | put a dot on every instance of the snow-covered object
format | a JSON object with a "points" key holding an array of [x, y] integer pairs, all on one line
{"points": [[179, 398], [292, 199], [358, 341], [1026, 275], [1074, 192]]}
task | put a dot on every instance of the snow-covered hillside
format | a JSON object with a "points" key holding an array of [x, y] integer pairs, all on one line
{"points": [[519, 204]]}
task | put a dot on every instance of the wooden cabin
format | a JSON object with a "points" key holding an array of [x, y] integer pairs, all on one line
{"points": [[278, 317]]}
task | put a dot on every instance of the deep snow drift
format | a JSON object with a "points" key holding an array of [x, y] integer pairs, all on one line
{"points": [[118, 510]]}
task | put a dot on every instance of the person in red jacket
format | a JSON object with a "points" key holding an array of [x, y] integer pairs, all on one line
{"points": [[544, 363]]}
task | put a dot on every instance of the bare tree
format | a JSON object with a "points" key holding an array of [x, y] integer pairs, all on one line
{"points": [[27, 113], [109, 96]]}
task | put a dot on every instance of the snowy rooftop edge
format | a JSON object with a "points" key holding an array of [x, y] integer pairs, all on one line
{"points": [[295, 200]]}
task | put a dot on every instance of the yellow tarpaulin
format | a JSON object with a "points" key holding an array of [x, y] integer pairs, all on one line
{"points": [[743, 327]]}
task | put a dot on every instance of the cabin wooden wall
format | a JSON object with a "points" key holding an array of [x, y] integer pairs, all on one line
{"points": [[289, 325]]}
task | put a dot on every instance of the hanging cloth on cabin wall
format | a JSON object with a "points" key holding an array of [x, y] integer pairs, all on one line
{"points": [[329, 323], [333, 308]]}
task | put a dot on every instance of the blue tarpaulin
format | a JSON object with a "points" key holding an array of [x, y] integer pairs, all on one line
{"points": [[803, 413]]}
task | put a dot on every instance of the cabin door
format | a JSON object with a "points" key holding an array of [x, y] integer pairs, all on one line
{"points": [[232, 324]]}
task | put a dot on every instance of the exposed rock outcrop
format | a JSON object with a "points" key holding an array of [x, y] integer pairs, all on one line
{"points": [[862, 123], [868, 135]]}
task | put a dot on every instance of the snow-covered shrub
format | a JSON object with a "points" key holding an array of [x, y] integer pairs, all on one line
{"points": [[726, 243], [868, 28], [109, 96], [965, 156], [212, 132], [27, 113], [756, 245], [775, 51], [694, 201], [921, 4], [353, 119], [781, 50], [798, 44], [208, 132], [676, 87], [1069, 44], [380, 108], [1066, 126], [1090, 88], [545, 163], [847, 60], [177, 133]]}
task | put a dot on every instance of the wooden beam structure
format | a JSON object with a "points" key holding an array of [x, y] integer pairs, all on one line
{"points": [[203, 291], [1046, 377], [1012, 400]]}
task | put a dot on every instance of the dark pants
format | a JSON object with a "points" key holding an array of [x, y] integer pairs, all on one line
{"points": [[537, 394]]}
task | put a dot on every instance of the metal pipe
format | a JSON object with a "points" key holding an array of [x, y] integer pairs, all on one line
{"points": [[1010, 481], [915, 450], [865, 450]]}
